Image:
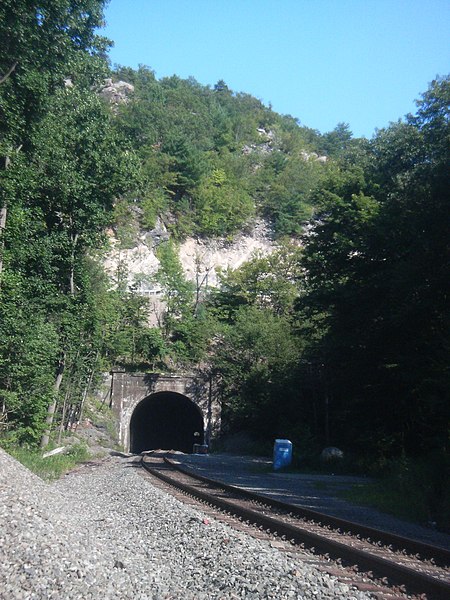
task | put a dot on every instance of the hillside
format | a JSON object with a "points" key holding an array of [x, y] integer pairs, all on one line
{"points": [[211, 160], [221, 175], [336, 332]]}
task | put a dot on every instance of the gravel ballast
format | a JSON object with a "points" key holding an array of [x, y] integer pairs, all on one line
{"points": [[106, 533]]}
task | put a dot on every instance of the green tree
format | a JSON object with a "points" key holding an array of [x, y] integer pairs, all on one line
{"points": [[255, 356], [63, 168], [186, 326], [270, 282], [222, 206], [336, 142], [377, 273], [28, 353], [81, 167], [178, 292], [43, 43]]}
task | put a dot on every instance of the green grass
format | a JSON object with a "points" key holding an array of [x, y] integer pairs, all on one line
{"points": [[386, 499], [417, 491], [53, 467]]}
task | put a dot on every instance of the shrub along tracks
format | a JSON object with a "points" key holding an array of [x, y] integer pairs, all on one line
{"points": [[415, 566]]}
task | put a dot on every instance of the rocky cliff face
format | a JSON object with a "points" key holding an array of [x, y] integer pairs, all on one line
{"points": [[116, 92], [203, 258], [200, 258]]}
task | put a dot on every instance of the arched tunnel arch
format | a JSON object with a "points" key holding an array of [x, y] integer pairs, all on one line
{"points": [[166, 420]]}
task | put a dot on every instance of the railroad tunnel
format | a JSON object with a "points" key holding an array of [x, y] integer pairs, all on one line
{"points": [[166, 420]]}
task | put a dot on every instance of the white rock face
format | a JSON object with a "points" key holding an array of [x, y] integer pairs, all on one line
{"points": [[137, 262], [116, 92], [205, 257], [199, 257]]}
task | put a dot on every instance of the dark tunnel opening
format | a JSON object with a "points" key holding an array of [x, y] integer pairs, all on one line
{"points": [[166, 420]]}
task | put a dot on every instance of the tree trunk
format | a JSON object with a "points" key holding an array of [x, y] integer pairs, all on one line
{"points": [[52, 406], [72, 265], [8, 73], [3, 215], [199, 282], [62, 424], [4, 209], [327, 419], [87, 388]]}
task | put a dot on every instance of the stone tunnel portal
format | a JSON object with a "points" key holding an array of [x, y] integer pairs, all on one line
{"points": [[166, 420]]}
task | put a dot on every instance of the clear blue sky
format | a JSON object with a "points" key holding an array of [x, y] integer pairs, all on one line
{"points": [[362, 62]]}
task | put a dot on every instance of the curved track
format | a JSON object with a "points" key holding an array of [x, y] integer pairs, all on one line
{"points": [[418, 567]]}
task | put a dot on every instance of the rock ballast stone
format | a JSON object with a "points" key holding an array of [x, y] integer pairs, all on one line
{"points": [[106, 533]]}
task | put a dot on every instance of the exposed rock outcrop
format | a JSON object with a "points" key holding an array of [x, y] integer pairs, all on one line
{"points": [[200, 258], [269, 144], [203, 258], [116, 92]]}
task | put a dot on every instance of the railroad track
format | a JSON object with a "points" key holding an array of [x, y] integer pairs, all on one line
{"points": [[416, 567]]}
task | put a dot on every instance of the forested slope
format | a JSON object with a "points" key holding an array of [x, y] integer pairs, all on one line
{"points": [[212, 158], [341, 336]]}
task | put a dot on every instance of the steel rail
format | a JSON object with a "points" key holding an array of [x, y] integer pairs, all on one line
{"points": [[399, 574], [440, 555]]}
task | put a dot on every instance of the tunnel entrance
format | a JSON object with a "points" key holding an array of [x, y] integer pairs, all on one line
{"points": [[166, 420]]}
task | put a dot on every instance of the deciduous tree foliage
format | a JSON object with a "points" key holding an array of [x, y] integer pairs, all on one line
{"points": [[186, 133], [369, 303], [81, 166], [45, 42], [64, 167], [255, 355], [377, 262]]}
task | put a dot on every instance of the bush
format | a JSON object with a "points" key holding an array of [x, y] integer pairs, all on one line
{"points": [[53, 467]]}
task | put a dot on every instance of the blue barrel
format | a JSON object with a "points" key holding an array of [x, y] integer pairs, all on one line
{"points": [[282, 454]]}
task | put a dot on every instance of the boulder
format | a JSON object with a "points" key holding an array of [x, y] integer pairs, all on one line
{"points": [[116, 92], [331, 454]]}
